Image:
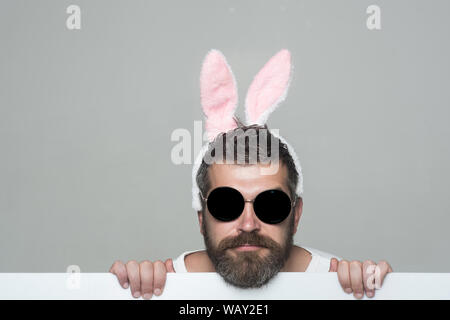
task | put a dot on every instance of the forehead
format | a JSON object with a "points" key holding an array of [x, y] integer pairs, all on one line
{"points": [[249, 179]]}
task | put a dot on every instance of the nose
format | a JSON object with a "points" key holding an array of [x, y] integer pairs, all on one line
{"points": [[248, 221]]}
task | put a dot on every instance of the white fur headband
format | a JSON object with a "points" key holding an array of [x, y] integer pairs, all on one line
{"points": [[219, 101]]}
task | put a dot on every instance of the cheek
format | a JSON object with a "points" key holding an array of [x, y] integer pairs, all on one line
{"points": [[218, 231], [278, 233]]}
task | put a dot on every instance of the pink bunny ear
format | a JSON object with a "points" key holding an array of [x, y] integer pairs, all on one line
{"points": [[218, 94], [268, 88]]}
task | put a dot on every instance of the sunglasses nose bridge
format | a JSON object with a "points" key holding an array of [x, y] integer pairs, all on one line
{"points": [[248, 219]]}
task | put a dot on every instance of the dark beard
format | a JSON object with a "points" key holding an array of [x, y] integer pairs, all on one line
{"points": [[248, 269]]}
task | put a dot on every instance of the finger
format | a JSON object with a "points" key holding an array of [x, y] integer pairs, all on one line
{"points": [[169, 265], [369, 277], [390, 268], [118, 268], [344, 276], [146, 274], [356, 279], [333, 265], [160, 274], [134, 278], [383, 269]]}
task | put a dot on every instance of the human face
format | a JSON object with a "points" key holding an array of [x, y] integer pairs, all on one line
{"points": [[269, 245]]}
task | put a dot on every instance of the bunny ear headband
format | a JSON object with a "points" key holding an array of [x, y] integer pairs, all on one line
{"points": [[219, 101]]}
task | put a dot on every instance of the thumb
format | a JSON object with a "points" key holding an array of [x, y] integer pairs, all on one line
{"points": [[333, 265], [169, 265]]}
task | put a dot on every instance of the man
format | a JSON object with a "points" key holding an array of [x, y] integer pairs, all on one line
{"points": [[247, 191], [246, 251]]}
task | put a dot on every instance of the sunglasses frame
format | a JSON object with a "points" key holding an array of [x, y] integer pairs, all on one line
{"points": [[293, 203]]}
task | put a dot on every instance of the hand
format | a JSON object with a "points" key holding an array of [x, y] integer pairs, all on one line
{"points": [[145, 278], [357, 276]]}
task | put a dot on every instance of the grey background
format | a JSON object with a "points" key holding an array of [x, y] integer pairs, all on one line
{"points": [[86, 117]]}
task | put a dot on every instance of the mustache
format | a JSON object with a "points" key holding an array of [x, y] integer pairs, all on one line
{"points": [[248, 238]]}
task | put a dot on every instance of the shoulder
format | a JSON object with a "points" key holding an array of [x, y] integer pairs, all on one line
{"points": [[191, 261], [320, 261]]}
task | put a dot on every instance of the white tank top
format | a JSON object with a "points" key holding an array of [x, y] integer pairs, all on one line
{"points": [[320, 261]]}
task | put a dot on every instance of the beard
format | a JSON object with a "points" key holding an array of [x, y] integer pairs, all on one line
{"points": [[249, 269]]}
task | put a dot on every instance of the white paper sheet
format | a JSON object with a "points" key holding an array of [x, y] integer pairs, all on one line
{"points": [[210, 286]]}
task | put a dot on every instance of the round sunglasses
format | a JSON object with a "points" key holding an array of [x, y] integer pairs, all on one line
{"points": [[227, 204]]}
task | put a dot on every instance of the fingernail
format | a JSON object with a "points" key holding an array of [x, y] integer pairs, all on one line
{"points": [[370, 294], [125, 285], [147, 296], [157, 291], [358, 295], [348, 290], [137, 294]]}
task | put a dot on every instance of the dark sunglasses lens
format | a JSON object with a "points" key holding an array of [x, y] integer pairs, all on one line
{"points": [[272, 206], [225, 204]]}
